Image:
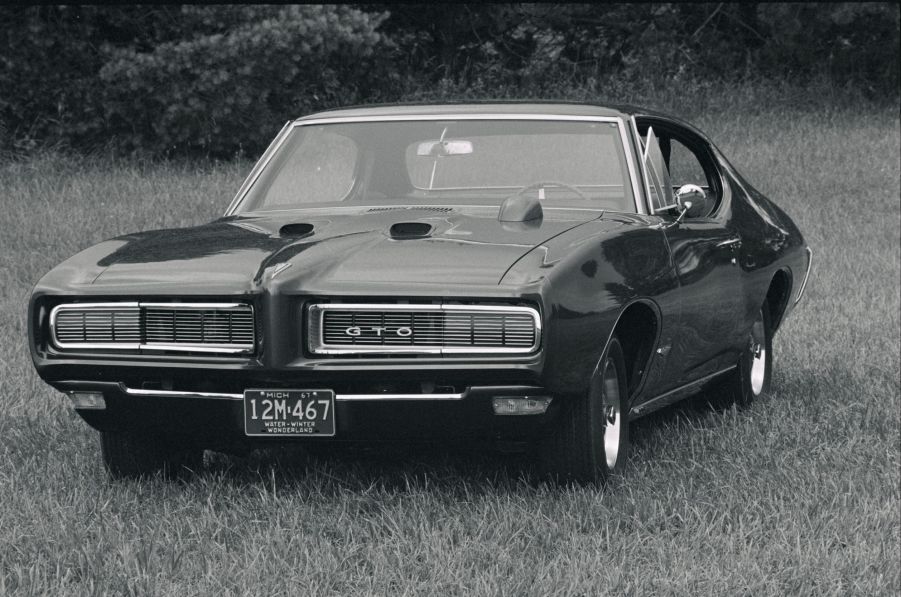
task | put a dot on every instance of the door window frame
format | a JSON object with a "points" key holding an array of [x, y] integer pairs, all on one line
{"points": [[695, 143], [658, 181]]}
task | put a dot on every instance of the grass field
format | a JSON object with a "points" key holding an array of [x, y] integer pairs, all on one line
{"points": [[799, 494]]}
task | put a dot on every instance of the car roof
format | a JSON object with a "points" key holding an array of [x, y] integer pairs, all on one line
{"points": [[552, 108], [555, 108]]}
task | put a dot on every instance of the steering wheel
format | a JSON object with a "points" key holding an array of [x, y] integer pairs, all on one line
{"points": [[553, 183]]}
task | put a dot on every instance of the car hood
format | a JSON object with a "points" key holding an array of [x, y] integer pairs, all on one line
{"points": [[315, 249]]}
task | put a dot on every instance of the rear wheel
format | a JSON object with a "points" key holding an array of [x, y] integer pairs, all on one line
{"points": [[131, 455], [751, 377], [592, 439]]}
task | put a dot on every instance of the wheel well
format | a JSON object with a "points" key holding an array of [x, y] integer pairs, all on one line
{"points": [[637, 331], [777, 297]]}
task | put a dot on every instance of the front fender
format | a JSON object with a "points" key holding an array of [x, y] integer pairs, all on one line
{"points": [[588, 277]]}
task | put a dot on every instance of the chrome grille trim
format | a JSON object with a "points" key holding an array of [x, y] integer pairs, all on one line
{"points": [[224, 328], [439, 329]]}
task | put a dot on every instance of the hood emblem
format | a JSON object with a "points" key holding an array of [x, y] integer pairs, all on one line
{"points": [[355, 331]]}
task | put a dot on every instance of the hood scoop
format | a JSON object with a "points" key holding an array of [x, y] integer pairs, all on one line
{"points": [[407, 230], [296, 230]]}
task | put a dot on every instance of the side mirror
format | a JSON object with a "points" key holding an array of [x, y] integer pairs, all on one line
{"points": [[686, 196], [684, 206], [689, 194]]}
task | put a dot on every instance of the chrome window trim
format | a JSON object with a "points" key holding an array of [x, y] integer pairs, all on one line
{"points": [[644, 173], [152, 346], [510, 188], [630, 162], [642, 152], [258, 167], [357, 208], [283, 135], [316, 344]]}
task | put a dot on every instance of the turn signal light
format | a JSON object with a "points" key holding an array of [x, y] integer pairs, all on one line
{"points": [[520, 405], [88, 400]]}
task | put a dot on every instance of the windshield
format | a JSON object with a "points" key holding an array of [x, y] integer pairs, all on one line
{"points": [[564, 163]]}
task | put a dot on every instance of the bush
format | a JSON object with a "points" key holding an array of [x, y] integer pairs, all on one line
{"points": [[220, 80], [48, 67], [230, 87], [530, 46]]}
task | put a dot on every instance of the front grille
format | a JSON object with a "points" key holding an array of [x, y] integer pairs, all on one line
{"points": [[108, 324], [197, 327], [422, 329]]}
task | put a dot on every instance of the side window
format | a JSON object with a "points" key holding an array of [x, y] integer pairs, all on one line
{"points": [[684, 167], [674, 157], [691, 162]]}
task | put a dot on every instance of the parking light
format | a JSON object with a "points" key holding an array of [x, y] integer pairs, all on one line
{"points": [[520, 405], [88, 400]]}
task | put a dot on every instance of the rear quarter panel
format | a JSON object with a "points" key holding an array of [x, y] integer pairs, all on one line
{"points": [[771, 242]]}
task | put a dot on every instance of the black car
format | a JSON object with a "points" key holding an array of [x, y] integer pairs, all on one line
{"points": [[534, 275]]}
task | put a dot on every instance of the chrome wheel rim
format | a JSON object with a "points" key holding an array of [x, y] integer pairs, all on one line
{"points": [[613, 419], [758, 355]]}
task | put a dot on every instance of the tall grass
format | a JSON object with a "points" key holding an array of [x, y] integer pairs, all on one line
{"points": [[799, 494]]}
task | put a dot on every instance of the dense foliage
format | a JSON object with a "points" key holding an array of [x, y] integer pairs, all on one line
{"points": [[221, 79]]}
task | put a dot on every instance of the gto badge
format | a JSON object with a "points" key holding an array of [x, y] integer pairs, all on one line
{"points": [[403, 332]]}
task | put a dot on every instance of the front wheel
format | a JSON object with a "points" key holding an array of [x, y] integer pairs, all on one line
{"points": [[591, 442]]}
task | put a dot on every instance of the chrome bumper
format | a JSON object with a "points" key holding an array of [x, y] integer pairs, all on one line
{"points": [[470, 391]]}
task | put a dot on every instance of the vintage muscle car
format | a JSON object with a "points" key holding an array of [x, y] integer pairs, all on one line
{"points": [[529, 274]]}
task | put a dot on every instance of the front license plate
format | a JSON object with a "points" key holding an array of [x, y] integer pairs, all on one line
{"points": [[289, 413]]}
